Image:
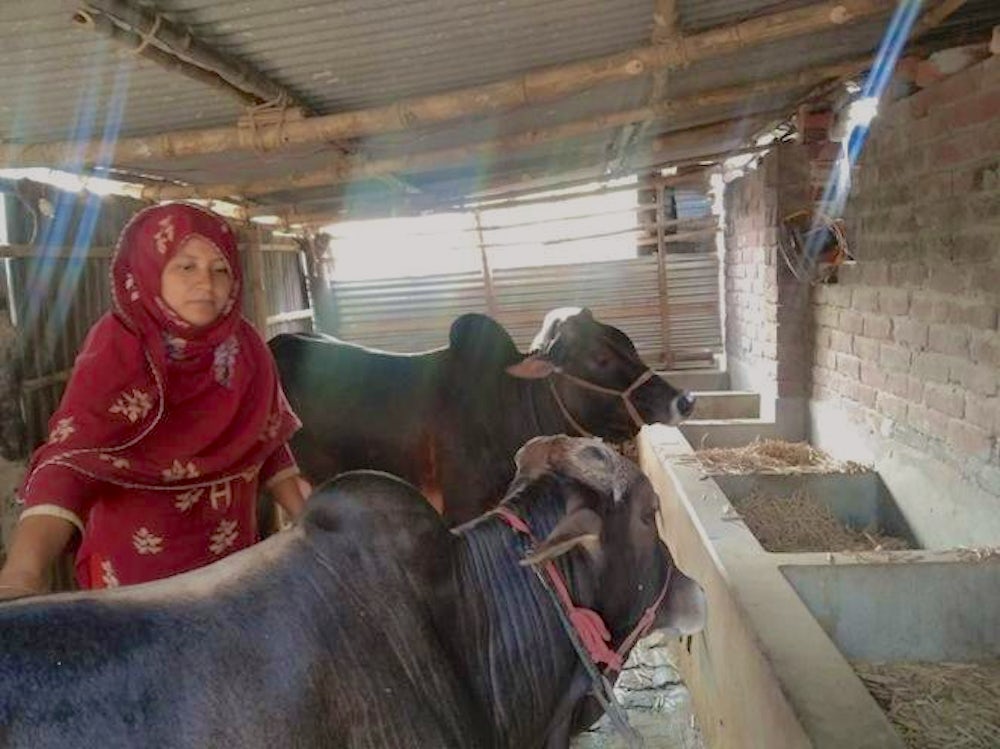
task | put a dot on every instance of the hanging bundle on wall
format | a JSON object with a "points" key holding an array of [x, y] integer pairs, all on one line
{"points": [[813, 246]]}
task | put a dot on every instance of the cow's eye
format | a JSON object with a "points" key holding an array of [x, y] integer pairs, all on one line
{"points": [[649, 516], [603, 361]]}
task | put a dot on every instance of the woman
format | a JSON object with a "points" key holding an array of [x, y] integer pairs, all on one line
{"points": [[172, 417]]}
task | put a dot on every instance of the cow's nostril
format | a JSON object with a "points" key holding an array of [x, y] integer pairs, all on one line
{"points": [[685, 404]]}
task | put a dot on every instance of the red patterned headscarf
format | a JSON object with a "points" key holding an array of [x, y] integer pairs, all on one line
{"points": [[154, 402]]}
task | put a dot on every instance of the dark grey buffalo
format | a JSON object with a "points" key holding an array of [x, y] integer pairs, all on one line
{"points": [[450, 420], [368, 624]]}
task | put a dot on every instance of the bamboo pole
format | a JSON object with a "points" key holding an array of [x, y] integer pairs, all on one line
{"points": [[491, 298], [134, 43], [177, 50], [344, 170], [935, 16], [665, 32], [179, 42], [661, 277], [509, 192], [537, 86]]}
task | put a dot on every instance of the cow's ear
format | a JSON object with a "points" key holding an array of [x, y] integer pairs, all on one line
{"points": [[683, 613], [580, 527], [532, 367]]}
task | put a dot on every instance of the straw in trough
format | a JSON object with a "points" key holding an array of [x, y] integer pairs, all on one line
{"points": [[938, 705], [798, 522], [772, 457]]}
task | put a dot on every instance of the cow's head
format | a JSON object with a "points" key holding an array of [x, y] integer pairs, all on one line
{"points": [[610, 515], [572, 343]]}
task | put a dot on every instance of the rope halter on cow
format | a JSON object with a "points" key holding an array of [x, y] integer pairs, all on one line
{"points": [[589, 634], [625, 395]]}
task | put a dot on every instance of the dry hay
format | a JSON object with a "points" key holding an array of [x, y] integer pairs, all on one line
{"points": [[770, 457], [798, 522], [938, 705]]}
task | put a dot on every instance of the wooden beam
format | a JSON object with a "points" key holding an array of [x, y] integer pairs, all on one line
{"points": [[347, 170], [537, 86], [157, 31], [133, 42], [936, 16], [176, 49], [665, 32]]}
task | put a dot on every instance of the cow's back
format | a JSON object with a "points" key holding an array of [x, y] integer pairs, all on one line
{"points": [[319, 636], [360, 408]]}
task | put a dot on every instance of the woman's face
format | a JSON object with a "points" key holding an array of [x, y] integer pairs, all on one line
{"points": [[196, 282]]}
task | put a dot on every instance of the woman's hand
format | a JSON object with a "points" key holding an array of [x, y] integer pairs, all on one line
{"points": [[38, 540], [290, 493]]}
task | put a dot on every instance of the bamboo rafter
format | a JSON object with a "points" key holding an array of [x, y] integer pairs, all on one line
{"points": [[665, 32], [344, 170], [176, 49], [707, 147], [179, 42], [536, 86]]}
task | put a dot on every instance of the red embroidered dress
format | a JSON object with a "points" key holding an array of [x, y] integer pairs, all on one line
{"points": [[165, 429]]}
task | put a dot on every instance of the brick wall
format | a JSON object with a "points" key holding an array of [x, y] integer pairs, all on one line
{"points": [[908, 340], [766, 309]]}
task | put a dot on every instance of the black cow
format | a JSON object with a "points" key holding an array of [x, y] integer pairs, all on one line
{"points": [[368, 624], [450, 420]]}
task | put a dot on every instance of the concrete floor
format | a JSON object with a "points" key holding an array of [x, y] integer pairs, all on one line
{"points": [[657, 702]]}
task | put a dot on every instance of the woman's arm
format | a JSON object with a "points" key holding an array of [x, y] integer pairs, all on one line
{"points": [[288, 492], [38, 540]]}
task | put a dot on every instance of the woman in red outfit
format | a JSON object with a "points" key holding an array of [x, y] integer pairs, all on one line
{"points": [[172, 417]]}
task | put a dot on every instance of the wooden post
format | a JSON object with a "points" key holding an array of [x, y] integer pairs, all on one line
{"points": [[491, 300], [256, 280], [661, 267]]}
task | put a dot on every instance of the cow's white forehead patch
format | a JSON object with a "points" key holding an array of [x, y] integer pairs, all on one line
{"points": [[558, 315]]}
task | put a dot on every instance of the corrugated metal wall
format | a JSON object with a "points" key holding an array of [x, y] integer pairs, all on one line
{"points": [[410, 315]]}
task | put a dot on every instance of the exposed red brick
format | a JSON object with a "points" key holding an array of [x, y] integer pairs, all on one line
{"points": [[986, 349], [872, 374], [969, 439], [851, 321], [982, 412], [932, 367], [891, 406], [946, 399], [865, 300], [841, 341], [894, 357], [878, 327], [894, 301], [910, 332], [978, 379], [949, 339], [849, 365], [973, 110]]}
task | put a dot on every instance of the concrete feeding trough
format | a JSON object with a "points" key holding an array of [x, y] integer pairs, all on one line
{"points": [[772, 668], [859, 504]]}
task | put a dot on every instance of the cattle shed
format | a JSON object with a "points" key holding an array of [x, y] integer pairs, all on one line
{"points": [[807, 236]]}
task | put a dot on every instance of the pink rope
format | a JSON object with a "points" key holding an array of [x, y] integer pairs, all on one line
{"points": [[589, 625]]}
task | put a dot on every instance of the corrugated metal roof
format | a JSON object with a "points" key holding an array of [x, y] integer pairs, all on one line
{"points": [[60, 80]]}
